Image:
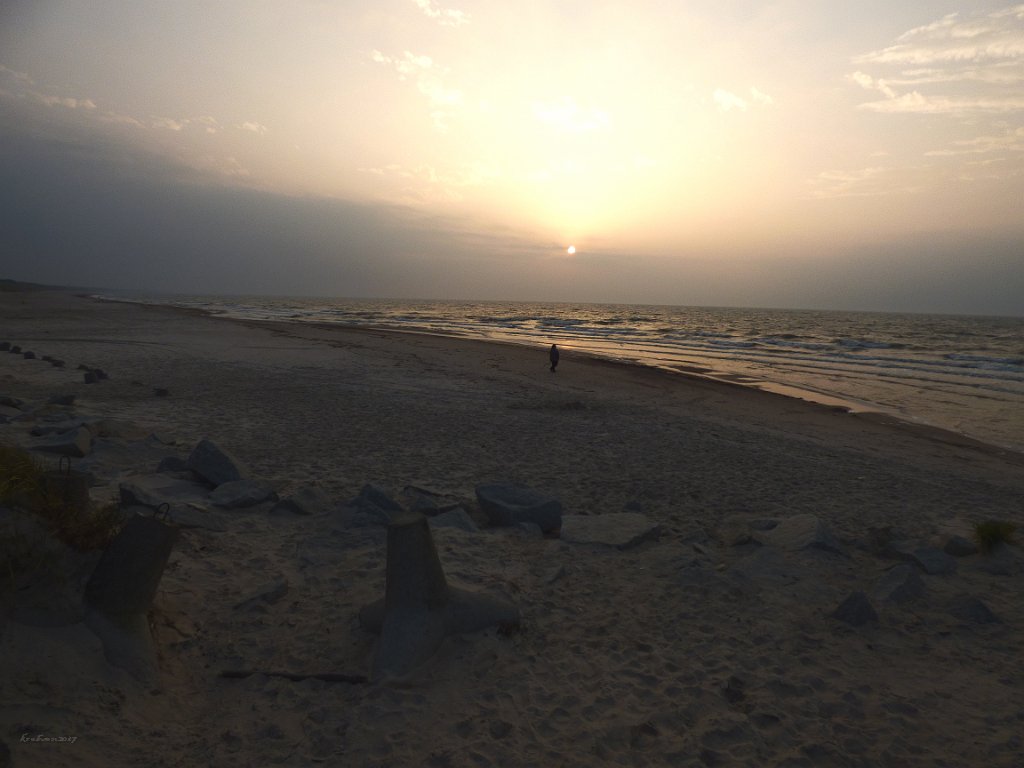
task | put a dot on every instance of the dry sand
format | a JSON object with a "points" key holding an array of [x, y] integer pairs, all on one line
{"points": [[712, 645]]}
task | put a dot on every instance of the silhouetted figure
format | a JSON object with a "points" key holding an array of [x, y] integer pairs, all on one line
{"points": [[553, 354]]}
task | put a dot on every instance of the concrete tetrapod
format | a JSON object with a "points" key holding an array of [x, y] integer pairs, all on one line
{"points": [[419, 608], [121, 590]]}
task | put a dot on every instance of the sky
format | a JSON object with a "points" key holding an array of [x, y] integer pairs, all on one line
{"points": [[796, 153]]}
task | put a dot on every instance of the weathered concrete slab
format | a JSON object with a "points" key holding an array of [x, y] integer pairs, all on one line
{"points": [[621, 530]]}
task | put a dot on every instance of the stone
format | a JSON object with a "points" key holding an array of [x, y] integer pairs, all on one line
{"points": [[972, 610], [933, 561], [75, 442], [11, 402], [372, 506], [173, 464], [269, 594], [5, 346], [801, 532], [56, 363], [454, 518], [621, 530], [56, 428], [959, 546], [510, 504], [856, 610], [89, 377], [214, 464], [29, 355], [161, 392], [1003, 560], [900, 584], [419, 608], [15, 350], [530, 530], [308, 500], [61, 400], [152, 491], [239, 494]]}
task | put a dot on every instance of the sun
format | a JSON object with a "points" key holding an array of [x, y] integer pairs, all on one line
{"points": [[571, 250]]}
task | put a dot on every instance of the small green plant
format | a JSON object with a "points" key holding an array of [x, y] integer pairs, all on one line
{"points": [[992, 533], [20, 476]]}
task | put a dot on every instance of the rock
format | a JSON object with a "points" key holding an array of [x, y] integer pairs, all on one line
{"points": [[530, 530], [454, 518], [933, 561], [115, 428], [1003, 560], [239, 494], [801, 532], [74, 442], [57, 363], [11, 402], [856, 610], [308, 500], [372, 506], [29, 355], [972, 610], [214, 464], [621, 530], [153, 490], [41, 430], [15, 350], [173, 464], [89, 377], [900, 584], [958, 546], [161, 392], [511, 504], [267, 595], [734, 689], [5, 346], [61, 400]]}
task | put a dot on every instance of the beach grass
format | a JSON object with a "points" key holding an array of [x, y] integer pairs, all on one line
{"points": [[992, 533]]}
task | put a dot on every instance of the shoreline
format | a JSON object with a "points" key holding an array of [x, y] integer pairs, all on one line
{"points": [[828, 404]]}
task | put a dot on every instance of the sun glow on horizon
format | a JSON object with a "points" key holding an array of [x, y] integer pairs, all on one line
{"points": [[571, 250]]}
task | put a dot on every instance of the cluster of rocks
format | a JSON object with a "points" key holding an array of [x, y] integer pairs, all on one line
{"points": [[14, 349], [785, 552]]}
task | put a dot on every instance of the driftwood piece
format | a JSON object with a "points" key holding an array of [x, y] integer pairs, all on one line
{"points": [[419, 608]]}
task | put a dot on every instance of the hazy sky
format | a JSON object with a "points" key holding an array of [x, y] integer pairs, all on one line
{"points": [[796, 153]]}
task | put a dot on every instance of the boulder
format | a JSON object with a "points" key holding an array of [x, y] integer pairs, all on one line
{"points": [[308, 500], [15, 350], [933, 561], [801, 532], [970, 609], [454, 518], [214, 464], [74, 442], [856, 610], [511, 504], [154, 490], [621, 530], [11, 402], [172, 464], [372, 506], [5, 346], [29, 355], [900, 584], [239, 494], [61, 400]]}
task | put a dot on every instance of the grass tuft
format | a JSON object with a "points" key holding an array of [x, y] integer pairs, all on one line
{"points": [[992, 533]]}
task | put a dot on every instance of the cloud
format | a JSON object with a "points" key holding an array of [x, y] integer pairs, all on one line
{"points": [[254, 127], [978, 62], [727, 100], [1009, 141], [15, 84], [429, 79], [205, 123], [445, 16], [864, 182]]}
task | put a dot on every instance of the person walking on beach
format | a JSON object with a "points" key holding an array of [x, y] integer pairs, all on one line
{"points": [[553, 354]]}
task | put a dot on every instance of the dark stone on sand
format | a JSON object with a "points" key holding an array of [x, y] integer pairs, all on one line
{"points": [[172, 464], [856, 610], [76, 442], [734, 689], [11, 402], [801, 532], [621, 530], [958, 546], [154, 490], [454, 518], [269, 594], [57, 363], [972, 610], [238, 494], [29, 355], [5, 346], [900, 584], [419, 608], [1003, 560], [15, 350], [933, 561], [373, 506], [308, 500], [161, 392], [89, 377], [62, 400], [214, 464], [101, 375], [506, 504]]}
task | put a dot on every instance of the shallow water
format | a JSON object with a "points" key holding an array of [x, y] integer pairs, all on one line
{"points": [[962, 373]]}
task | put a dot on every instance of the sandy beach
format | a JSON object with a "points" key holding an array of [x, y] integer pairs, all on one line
{"points": [[713, 639]]}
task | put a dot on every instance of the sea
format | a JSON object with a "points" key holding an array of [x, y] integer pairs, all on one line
{"points": [[960, 373]]}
